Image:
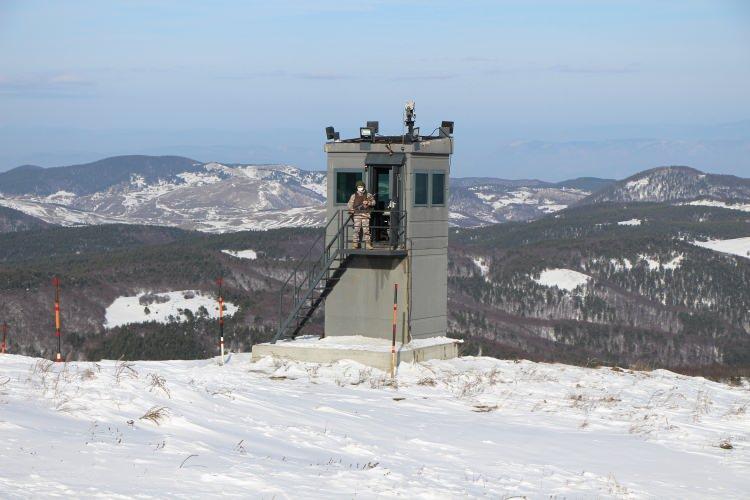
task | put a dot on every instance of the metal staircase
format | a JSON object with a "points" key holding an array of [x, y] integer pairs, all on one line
{"points": [[315, 276], [313, 279]]}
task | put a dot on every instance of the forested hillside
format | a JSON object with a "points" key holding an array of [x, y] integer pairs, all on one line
{"points": [[616, 284], [12, 220], [647, 294]]}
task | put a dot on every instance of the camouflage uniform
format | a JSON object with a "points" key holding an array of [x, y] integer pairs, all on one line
{"points": [[360, 206]]}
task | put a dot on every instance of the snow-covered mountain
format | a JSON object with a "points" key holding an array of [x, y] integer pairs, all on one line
{"points": [[207, 197], [463, 428], [482, 201], [214, 197], [670, 184]]}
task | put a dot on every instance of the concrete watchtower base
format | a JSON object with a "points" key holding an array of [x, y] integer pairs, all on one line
{"points": [[368, 351]]}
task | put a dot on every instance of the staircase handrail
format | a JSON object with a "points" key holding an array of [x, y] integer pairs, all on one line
{"points": [[297, 297]]}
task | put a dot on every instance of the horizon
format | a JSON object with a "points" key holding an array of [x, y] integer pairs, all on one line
{"points": [[245, 164], [538, 89]]}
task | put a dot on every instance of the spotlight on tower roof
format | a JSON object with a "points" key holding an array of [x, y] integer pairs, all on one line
{"points": [[330, 133], [447, 125], [374, 125], [366, 133]]}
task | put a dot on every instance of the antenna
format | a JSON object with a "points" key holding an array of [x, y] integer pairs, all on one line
{"points": [[409, 116]]}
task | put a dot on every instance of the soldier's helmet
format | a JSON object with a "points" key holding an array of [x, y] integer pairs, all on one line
{"points": [[360, 184]]}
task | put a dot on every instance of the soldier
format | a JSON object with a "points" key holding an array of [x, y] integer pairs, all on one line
{"points": [[360, 204]]}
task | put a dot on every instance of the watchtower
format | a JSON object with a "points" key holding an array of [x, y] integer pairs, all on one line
{"points": [[408, 177]]}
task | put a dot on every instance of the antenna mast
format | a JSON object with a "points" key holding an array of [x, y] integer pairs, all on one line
{"points": [[409, 116]]}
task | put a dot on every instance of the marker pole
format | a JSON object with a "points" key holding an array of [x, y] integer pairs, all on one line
{"points": [[393, 340], [220, 282], [56, 283], [5, 335]]}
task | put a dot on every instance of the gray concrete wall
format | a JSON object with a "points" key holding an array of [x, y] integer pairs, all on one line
{"points": [[363, 296], [376, 358], [428, 251], [361, 303]]}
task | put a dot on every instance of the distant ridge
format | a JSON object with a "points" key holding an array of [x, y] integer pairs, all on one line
{"points": [[214, 197], [88, 178], [671, 184]]}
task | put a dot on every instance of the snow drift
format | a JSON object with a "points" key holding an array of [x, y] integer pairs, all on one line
{"points": [[468, 427]]}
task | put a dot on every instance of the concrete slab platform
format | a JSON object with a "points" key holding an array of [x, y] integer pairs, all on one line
{"points": [[368, 351]]}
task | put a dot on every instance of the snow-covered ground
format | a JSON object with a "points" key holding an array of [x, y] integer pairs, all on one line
{"points": [[736, 246], [483, 266], [743, 207], [242, 254], [654, 264], [163, 307], [564, 279], [468, 427], [630, 222], [524, 196]]}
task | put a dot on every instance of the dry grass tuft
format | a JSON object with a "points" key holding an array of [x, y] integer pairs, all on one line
{"points": [[156, 414], [156, 381], [429, 381], [484, 408], [124, 369], [88, 374]]}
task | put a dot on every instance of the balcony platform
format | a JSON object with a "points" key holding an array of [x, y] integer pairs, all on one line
{"points": [[376, 252], [374, 352]]}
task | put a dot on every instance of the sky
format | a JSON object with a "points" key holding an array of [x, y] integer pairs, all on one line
{"points": [[544, 89]]}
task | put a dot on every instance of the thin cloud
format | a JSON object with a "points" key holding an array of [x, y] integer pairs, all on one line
{"points": [[45, 85], [426, 76], [593, 69], [321, 76], [304, 75]]}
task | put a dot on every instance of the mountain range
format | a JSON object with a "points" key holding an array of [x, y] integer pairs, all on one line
{"points": [[214, 197]]}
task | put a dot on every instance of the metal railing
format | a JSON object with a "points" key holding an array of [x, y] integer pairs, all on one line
{"points": [[387, 230]]}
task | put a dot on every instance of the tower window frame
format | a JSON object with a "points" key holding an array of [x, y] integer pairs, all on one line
{"points": [[441, 192], [417, 199], [345, 191]]}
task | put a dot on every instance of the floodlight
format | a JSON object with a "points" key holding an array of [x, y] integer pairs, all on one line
{"points": [[366, 133], [448, 125], [336, 136], [374, 125], [415, 133], [329, 133]]}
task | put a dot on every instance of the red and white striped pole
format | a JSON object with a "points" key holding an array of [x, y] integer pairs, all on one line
{"points": [[5, 335], [220, 282], [56, 283], [393, 340]]}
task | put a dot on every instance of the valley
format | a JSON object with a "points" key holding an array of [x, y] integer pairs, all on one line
{"points": [[652, 271]]}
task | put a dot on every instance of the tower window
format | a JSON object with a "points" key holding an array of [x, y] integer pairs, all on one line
{"points": [[438, 189], [420, 188], [346, 184]]}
